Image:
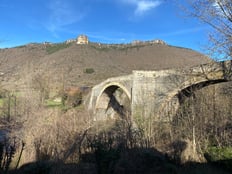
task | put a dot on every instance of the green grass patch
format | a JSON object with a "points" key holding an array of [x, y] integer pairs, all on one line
{"points": [[51, 103], [220, 155], [56, 47]]}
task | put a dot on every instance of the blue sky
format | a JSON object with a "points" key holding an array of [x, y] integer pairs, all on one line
{"points": [[106, 21]]}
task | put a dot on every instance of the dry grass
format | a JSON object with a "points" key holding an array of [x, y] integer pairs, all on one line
{"points": [[68, 65]]}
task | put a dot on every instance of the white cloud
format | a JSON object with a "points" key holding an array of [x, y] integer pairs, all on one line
{"points": [[61, 14], [143, 6]]}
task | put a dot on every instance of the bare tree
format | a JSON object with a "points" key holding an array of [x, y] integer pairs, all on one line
{"points": [[218, 15]]}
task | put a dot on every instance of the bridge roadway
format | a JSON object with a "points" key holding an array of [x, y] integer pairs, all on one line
{"points": [[156, 93]]}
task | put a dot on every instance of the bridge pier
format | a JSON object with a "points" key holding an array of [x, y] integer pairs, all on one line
{"points": [[150, 88]]}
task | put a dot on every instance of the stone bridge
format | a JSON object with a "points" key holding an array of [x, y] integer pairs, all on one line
{"points": [[153, 93]]}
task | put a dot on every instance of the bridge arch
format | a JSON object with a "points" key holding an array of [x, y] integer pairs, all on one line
{"points": [[174, 98], [106, 97]]}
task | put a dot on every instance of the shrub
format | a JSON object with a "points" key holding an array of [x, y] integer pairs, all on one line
{"points": [[89, 70]]}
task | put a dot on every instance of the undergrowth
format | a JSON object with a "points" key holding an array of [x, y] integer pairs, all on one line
{"points": [[56, 47]]}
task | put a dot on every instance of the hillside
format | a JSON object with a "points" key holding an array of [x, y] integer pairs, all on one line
{"points": [[55, 137], [68, 64]]}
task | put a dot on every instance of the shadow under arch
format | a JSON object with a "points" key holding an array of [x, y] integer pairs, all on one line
{"points": [[176, 97], [109, 98]]}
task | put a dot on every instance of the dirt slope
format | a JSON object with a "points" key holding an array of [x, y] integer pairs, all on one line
{"points": [[67, 64]]}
